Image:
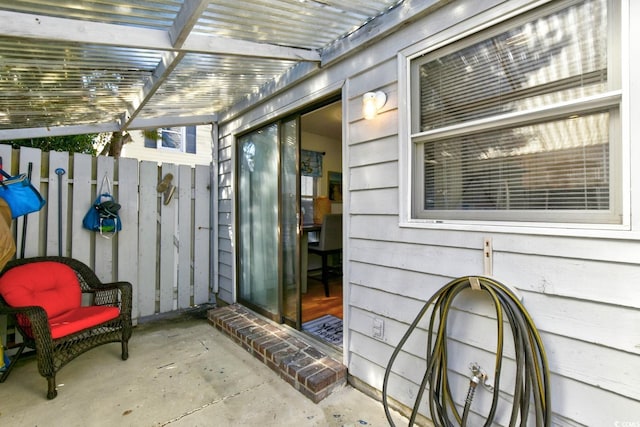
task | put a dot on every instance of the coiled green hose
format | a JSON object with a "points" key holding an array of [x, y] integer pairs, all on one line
{"points": [[532, 371]]}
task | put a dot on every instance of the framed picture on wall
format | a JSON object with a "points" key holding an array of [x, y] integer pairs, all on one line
{"points": [[335, 186]]}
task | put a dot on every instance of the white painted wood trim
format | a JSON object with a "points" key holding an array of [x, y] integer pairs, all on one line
{"points": [[185, 235], [57, 160], [83, 194], [31, 246], [202, 234], [168, 246], [128, 192], [148, 247]]}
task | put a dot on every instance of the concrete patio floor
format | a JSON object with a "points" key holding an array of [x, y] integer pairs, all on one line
{"points": [[181, 372]]}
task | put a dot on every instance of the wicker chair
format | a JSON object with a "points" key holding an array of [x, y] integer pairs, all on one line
{"points": [[57, 331]]}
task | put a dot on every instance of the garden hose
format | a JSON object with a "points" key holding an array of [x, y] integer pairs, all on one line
{"points": [[531, 374]]}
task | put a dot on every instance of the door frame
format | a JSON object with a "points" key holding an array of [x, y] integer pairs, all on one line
{"points": [[297, 114]]}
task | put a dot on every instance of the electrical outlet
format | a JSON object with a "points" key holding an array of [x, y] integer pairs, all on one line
{"points": [[378, 328]]}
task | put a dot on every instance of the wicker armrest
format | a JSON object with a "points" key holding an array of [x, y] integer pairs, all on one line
{"points": [[37, 327], [34, 312], [123, 287], [115, 293]]}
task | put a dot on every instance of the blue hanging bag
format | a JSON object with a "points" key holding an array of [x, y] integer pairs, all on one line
{"points": [[21, 196], [103, 216]]}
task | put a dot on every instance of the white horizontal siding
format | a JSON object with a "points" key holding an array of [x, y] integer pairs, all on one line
{"points": [[580, 279], [380, 175], [580, 291], [589, 321], [225, 267], [373, 152], [374, 202], [385, 124]]}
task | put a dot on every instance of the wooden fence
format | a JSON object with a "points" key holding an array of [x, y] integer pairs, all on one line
{"points": [[163, 250]]}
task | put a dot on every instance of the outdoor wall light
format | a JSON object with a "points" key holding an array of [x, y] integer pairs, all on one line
{"points": [[372, 102]]}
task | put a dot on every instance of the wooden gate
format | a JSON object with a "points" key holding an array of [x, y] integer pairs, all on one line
{"points": [[163, 249]]}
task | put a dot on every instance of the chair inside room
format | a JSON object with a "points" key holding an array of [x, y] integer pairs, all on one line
{"points": [[330, 242], [62, 310]]}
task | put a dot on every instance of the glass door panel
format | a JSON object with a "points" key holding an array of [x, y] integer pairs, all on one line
{"points": [[258, 259]]}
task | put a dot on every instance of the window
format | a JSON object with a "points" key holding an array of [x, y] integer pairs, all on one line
{"points": [[171, 138], [308, 185], [181, 139], [310, 174], [521, 122]]}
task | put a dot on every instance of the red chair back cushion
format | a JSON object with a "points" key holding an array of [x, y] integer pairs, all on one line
{"points": [[48, 284]]}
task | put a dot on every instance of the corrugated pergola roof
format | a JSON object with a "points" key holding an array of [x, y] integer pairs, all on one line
{"points": [[105, 65]]}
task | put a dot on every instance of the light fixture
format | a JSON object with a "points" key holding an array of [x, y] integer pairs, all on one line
{"points": [[372, 102]]}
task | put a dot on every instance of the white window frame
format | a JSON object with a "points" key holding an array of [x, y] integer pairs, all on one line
{"points": [[180, 130], [476, 26]]}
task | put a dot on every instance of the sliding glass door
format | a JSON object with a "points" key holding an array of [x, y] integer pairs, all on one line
{"points": [[268, 221]]}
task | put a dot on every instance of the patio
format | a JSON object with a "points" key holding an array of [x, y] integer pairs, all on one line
{"points": [[114, 67], [181, 371], [531, 162]]}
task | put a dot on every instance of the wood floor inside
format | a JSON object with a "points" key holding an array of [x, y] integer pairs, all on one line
{"points": [[316, 304]]}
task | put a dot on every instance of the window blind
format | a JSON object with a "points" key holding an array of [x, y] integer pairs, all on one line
{"points": [[490, 134], [563, 164], [554, 58]]}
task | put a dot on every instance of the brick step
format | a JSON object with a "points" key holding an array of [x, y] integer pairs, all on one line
{"points": [[307, 369]]}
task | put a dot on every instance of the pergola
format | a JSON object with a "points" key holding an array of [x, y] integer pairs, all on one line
{"points": [[89, 66]]}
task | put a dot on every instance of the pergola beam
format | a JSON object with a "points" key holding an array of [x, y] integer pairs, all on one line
{"points": [[186, 19], [200, 43], [44, 132], [24, 25], [138, 124], [162, 72], [159, 122]]}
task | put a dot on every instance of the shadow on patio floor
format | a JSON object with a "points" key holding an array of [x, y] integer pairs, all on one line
{"points": [[181, 372]]}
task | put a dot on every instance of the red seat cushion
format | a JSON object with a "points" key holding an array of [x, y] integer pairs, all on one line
{"points": [[51, 285], [81, 318]]}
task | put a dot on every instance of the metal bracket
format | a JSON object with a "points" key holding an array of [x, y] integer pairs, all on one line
{"points": [[481, 375]]}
